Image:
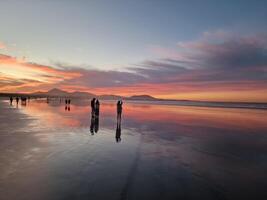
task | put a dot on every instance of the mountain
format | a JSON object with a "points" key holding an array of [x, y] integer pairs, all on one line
{"points": [[57, 92], [82, 94], [110, 97], [142, 97], [61, 93]]}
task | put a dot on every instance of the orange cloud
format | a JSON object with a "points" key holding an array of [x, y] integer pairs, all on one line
{"points": [[17, 74]]}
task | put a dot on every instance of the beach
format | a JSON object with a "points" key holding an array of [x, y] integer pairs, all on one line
{"points": [[48, 151]]}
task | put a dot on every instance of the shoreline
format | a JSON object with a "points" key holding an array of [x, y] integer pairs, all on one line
{"points": [[237, 105]]}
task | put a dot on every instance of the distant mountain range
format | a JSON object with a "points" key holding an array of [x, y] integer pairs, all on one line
{"points": [[61, 93]]}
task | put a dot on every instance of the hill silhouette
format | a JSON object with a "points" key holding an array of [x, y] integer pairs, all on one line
{"points": [[55, 92]]}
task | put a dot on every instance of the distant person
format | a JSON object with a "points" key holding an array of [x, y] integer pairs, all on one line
{"points": [[23, 101], [93, 105], [119, 109], [17, 100], [11, 100]]}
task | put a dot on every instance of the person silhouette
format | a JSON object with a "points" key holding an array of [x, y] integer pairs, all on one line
{"points": [[119, 110], [17, 100], [11, 100], [23, 101], [94, 127]]}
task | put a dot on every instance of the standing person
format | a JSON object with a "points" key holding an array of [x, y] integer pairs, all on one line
{"points": [[17, 100], [93, 105], [11, 100], [119, 110]]}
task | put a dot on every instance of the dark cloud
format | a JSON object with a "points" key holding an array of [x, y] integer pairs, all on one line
{"points": [[235, 60]]}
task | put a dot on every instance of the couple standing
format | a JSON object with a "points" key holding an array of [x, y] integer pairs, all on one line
{"points": [[95, 105]]}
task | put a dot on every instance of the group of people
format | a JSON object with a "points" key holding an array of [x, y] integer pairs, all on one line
{"points": [[95, 108], [23, 100], [67, 101]]}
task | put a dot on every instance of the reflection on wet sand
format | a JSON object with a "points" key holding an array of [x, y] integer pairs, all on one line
{"points": [[118, 129], [231, 118], [94, 126], [167, 152]]}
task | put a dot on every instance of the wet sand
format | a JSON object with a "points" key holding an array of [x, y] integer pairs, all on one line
{"points": [[166, 152]]}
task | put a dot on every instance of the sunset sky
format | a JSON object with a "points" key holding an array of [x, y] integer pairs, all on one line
{"points": [[198, 50]]}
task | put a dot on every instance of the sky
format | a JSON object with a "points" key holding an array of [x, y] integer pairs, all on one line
{"points": [[195, 50]]}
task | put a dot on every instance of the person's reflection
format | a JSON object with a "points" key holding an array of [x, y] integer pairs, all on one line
{"points": [[96, 123], [118, 130], [67, 107], [92, 123]]}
